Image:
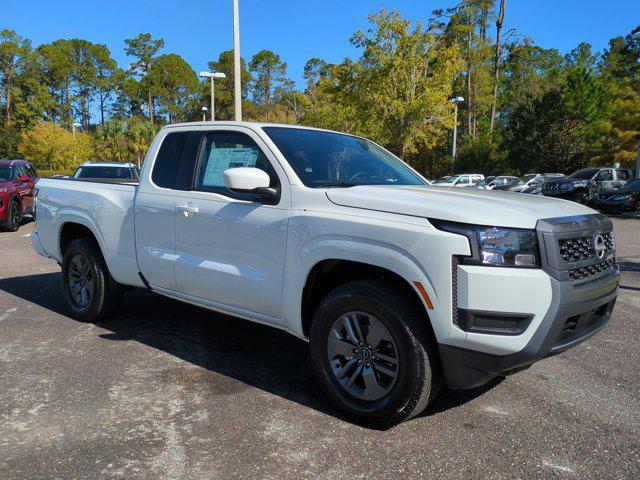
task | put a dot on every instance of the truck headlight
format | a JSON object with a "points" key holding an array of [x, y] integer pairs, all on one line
{"points": [[496, 246]]}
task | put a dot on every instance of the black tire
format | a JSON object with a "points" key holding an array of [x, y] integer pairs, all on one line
{"points": [[582, 198], [104, 294], [14, 217], [418, 373]]}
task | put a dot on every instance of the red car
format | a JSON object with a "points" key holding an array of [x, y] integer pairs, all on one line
{"points": [[17, 185]]}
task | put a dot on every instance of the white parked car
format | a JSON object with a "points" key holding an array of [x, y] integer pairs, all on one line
{"points": [[465, 180], [399, 287]]}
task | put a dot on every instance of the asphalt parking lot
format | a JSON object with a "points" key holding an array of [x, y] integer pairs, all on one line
{"points": [[166, 390]]}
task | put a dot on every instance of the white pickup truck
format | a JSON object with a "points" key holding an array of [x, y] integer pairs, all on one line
{"points": [[398, 286]]}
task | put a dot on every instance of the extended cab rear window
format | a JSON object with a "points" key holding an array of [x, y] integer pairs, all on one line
{"points": [[176, 160]]}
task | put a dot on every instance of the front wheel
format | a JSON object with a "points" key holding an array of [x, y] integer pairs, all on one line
{"points": [[89, 291], [373, 353], [582, 198], [15, 217]]}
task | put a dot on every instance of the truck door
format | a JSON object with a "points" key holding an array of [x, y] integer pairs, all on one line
{"points": [[622, 177], [230, 247], [155, 206], [604, 179]]}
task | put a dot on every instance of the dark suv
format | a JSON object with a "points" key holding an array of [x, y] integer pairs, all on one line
{"points": [[584, 185], [17, 185]]}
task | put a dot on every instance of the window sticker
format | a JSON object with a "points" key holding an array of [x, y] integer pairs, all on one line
{"points": [[220, 159]]}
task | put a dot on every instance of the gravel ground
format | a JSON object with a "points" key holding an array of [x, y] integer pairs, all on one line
{"points": [[166, 390]]}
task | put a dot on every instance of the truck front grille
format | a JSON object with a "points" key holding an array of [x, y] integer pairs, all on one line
{"points": [[582, 248], [591, 270]]}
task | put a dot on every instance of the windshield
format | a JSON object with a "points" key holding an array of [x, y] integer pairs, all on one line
{"points": [[5, 173], [442, 179], [486, 181], [585, 173], [326, 159], [524, 180], [631, 185], [124, 173]]}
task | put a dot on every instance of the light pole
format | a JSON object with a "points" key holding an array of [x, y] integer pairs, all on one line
{"points": [[73, 128], [237, 84], [204, 113], [455, 102], [212, 76]]}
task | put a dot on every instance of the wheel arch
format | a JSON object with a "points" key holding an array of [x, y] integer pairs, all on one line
{"points": [[330, 273]]}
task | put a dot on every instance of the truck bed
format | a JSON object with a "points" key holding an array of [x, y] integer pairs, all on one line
{"points": [[104, 207]]}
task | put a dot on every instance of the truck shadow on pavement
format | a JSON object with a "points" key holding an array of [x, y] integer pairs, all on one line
{"points": [[256, 355]]}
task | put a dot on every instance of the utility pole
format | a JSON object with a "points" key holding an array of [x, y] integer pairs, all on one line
{"points": [[237, 87], [638, 159]]}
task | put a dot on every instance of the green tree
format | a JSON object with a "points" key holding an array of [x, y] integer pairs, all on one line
{"points": [[14, 52], [144, 48], [404, 80], [174, 83], [270, 74], [224, 88], [52, 147]]}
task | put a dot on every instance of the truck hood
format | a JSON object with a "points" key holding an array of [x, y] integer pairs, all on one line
{"points": [[481, 207]]}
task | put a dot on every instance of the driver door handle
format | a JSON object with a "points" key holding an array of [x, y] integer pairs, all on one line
{"points": [[188, 210]]}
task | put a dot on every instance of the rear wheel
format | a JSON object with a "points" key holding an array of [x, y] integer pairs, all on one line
{"points": [[89, 291], [373, 353], [15, 217]]}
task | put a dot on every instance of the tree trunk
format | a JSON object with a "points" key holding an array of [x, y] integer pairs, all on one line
{"points": [[469, 104], [101, 110], [496, 62], [151, 111]]}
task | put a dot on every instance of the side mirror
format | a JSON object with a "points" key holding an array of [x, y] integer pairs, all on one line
{"points": [[248, 180]]}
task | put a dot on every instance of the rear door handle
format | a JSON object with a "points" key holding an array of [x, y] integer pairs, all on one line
{"points": [[188, 210]]}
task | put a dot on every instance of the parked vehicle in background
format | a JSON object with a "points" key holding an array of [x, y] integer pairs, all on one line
{"points": [[625, 198], [482, 183], [584, 185], [17, 192], [464, 180], [397, 286], [529, 180], [108, 170], [441, 179], [501, 181]]}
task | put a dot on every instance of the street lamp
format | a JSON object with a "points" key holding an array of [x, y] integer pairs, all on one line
{"points": [[204, 113], [212, 76], [455, 102]]}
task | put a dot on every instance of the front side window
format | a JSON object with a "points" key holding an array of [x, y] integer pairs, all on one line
{"points": [[224, 150], [463, 180], [328, 159], [623, 174], [605, 176], [5, 173]]}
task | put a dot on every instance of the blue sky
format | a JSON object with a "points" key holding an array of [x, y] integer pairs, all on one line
{"points": [[297, 30]]}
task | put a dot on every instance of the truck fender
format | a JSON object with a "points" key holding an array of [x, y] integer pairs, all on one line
{"points": [[337, 247]]}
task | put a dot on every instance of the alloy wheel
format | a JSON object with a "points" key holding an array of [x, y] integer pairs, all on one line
{"points": [[363, 356], [81, 281]]}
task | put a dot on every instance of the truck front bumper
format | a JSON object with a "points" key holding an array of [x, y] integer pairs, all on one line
{"points": [[577, 312]]}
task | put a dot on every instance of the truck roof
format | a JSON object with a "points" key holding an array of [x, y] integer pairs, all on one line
{"points": [[252, 125], [5, 161]]}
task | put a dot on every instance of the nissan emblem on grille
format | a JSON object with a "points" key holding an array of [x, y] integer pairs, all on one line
{"points": [[599, 245]]}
